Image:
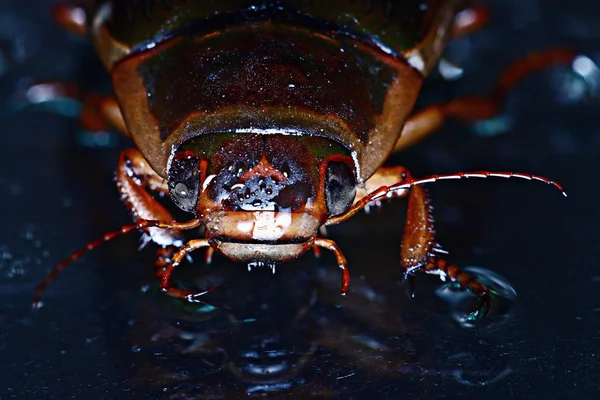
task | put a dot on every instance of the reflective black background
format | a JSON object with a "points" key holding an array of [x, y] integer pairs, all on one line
{"points": [[105, 334]]}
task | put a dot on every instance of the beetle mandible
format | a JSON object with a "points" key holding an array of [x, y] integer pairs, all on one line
{"points": [[267, 120]]}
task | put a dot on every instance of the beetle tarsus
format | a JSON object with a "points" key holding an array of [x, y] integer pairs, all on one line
{"points": [[465, 281]]}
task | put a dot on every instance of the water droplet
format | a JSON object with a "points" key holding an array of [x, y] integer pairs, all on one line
{"points": [[462, 303], [181, 190]]}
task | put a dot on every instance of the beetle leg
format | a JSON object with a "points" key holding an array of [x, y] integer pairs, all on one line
{"points": [[165, 284], [71, 18], [134, 178], [469, 109], [419, 250], [340, 258], [98, 113]]}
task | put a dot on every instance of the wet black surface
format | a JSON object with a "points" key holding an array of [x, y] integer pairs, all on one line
{"points": [[105, 334]]}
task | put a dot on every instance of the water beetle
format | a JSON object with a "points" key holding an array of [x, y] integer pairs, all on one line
{"points": [[267, 120]]}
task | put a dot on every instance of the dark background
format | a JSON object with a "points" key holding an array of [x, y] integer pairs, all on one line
{"points": [[105, 334]]}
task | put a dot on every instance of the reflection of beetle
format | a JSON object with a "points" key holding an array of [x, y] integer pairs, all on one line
{"points": [[307, 344], [270, 119]]}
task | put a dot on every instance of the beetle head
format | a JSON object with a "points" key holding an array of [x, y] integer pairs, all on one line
{"points": [[262, 197]]}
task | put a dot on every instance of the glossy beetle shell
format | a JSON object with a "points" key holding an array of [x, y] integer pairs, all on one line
{"points": [[349, 71]]}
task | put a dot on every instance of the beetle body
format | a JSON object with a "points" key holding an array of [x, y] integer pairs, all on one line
{"points": [[270, 119], [266, 76]]}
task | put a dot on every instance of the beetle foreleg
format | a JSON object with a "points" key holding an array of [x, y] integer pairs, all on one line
{"points": [[165, 284], [134, 178], [469, 109]]}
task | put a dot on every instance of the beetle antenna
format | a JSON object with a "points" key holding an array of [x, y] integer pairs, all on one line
{"points": [[384, 191], [477, 174], [140, 224]]}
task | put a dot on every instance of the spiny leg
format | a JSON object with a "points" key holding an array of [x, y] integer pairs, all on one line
{"points": [[473, 108], [419, 250], [418, 240], [98, 113], [134, 179]]}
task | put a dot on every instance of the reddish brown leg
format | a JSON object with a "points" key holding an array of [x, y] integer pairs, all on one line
{"points": [[419, 250], [98, 114], [474, 108], [418, 241], [134, 178], [341, 261], [165, 284]]}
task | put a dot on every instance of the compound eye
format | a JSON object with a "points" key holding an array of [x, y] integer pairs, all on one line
{"points": [[340, 187], [184, 182]]}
